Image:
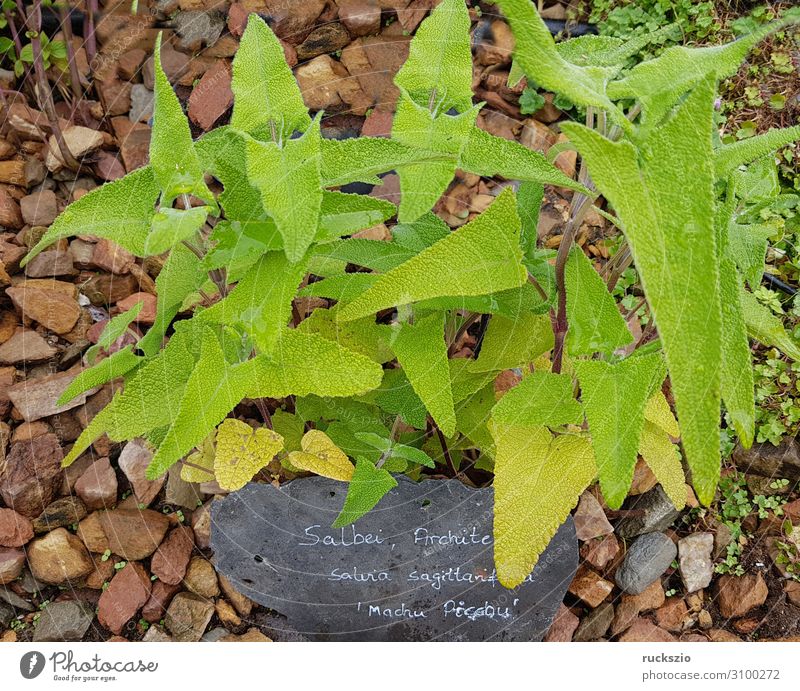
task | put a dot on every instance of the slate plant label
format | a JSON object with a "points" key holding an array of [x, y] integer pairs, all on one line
{"points": [[418, 567]]}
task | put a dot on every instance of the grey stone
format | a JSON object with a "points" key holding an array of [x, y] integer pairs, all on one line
{"points": [[595, 624], [654, 513], [180, 492], [156, 634], [63, 621], [647, 558], [141, 103], [197, 28], [418, 567], [11, 598], [695, 561], [214, 635], [6, 615], [782, 461]]}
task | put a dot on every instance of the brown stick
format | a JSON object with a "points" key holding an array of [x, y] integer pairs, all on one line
{"points": [[43, 93], [74, 76]]}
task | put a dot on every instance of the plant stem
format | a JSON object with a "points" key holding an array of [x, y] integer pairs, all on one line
{"points": [[90, 39], [385, 455], [197, 467], [74, 75], [468, 321], [262, 408], [445, 450], [578, 209], [44, 95], [14, 31]]}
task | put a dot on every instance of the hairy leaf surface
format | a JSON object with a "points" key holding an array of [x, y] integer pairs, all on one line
{"points": [[671, 236], [288, 178], [266, 95], [541, 398], [595, 323], [510, 343], [172, 156], [367, 486], [479, 258], [538, 480], [614, 398], [242, 451], [121, 211], [422, 352]]}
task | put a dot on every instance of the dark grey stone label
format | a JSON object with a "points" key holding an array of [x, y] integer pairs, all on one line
{"points": [[418, 567]]}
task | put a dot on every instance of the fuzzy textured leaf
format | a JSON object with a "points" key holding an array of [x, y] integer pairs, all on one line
{"points": [[736, 372], [242, 451], [671, 236], [172, 156], [422, 352], [211, 391], [288, 178], [367, 487], [664, 459], [116, 365], [595, 323], [479, 258], [266, 94], [510, 343], [729, 157], [322, 457], [262, 300], [438, 70], [121, 211], [303, 363], [659, 83], [765, 327], [421, 184], [541, 398], [614, 398], [538, 57], [537, 482]]}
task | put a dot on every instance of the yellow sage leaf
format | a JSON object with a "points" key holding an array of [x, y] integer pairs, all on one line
{"points": [[321, 456], [242, 452], [538, 480]]}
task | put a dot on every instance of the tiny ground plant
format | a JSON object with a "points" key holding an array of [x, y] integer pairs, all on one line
{"points": [[736, 505], [251, 218]]}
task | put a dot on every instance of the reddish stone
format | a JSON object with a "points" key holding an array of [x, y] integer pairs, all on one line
{"points": [[172, 557], [563, 626], [148, 312], [792, 590], [133, 534], [378, 124], [360, 17], [237, 19], [212, 96], [32, 475], [590, 587], [97, 487], [15, 530], [108, 167], [11, 563], [737, 595], [160, 597], [109, 256], [590, 520], [600, 552], [128, 591], [645, 631], [672, 615]]}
